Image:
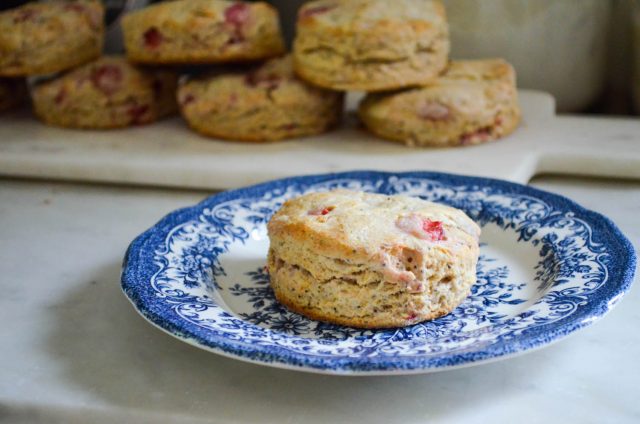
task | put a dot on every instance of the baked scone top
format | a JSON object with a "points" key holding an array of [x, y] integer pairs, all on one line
{"points": [[477, 88], [188, 11], [367, 13], [362, 226], [36, 23], [110, 77], [272, 83]]}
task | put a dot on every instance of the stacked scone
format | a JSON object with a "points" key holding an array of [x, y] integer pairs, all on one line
{"points": [[264, 102], [108, 92], [44, 38], [398, 51], [470, 103], [83, 89], [60, 42], [371, 45]]}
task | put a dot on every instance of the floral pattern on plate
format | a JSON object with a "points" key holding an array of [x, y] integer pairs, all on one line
{"points": [[547, 268]]}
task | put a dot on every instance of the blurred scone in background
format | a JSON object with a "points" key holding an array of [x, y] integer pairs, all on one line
{"points": [[590, 49], [584, 46]]}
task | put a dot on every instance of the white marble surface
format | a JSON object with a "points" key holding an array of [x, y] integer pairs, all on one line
{"points": [[73, 350], [168, 154]]}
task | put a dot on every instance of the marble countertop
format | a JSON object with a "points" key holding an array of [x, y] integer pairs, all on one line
{"points": [[74, 350], [168, 154]]}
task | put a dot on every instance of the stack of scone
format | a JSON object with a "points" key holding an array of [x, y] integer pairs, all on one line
{"points": [[398, 52], [63, 40], [260, 103], [44, 38], [60, 42]]}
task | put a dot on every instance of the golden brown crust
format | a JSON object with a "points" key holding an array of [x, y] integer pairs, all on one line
{"points": [[472, 102], [371, 85], [257, 138], [36, 39], [299, 231], [367, 323], [266, 104], [202, 31], [370, 45], [104, 94], [370, 261]]}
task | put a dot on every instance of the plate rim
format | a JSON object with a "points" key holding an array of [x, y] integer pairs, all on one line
{"points": [[624, 261]]}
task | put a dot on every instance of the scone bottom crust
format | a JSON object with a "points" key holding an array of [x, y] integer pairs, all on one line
{"points": [[413, 261]]}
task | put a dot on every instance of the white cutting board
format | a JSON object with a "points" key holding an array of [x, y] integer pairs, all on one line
{"points": [[168, 154]]}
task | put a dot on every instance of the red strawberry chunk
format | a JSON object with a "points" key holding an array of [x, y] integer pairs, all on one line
{"points": [[74, 7], [412, 316], [422, 228], [138, 113], [290, 127], [152, 38], [23, 15], [186, 99], [107, 78], [59, 98], [268, 81], [321, 211], [478, 136], [433, 229], [236, 14]]}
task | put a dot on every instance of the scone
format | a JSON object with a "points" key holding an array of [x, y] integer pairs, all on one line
{"points": [[371, 45], [202, 31], [473, 102], [106, 93], [371, 260], [266, 104], [13, 93], [44, 38]]}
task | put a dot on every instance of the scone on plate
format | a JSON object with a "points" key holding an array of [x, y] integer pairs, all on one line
{"points": [[265, 104], [13, 92], [371, 260], [202, 31], [106, 93], [473, 102], [48, 37], [371, 45]]}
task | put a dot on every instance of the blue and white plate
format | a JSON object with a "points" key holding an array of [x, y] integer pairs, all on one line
{"points": [[548, 267]]}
